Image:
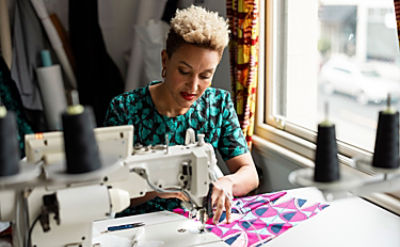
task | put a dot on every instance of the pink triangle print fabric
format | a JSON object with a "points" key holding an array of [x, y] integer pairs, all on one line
{"points": [[260, 218]]}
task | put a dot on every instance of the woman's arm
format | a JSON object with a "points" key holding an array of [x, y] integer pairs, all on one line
{"points": [[244, 178], [244, 174]]}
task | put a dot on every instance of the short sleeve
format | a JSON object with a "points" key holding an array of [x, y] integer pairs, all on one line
{"points": [[115, 114], [232, 142]]}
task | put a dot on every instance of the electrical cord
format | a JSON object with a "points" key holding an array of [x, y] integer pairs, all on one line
{"points": [[31, 229]]}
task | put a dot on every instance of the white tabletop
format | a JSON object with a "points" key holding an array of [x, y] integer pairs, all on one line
{"points": [[346, 222]]}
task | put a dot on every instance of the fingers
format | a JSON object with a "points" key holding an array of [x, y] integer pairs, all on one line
{"points": [[228, 205], [219, 208], [183, 197], [221, 201]]}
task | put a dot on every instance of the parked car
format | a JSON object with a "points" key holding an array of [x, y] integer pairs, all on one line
{"points": [[361, 81]]}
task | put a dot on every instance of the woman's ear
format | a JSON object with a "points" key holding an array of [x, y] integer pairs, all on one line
{"points": [[164, 58]]}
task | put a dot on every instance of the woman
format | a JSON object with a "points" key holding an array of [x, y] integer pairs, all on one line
{"points": [[184, 99]]}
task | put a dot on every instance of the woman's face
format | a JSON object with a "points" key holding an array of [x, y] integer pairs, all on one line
{"points": [[189, 72]]}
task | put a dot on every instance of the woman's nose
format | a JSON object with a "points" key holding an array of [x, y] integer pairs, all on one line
{"points": [[194, 83]]}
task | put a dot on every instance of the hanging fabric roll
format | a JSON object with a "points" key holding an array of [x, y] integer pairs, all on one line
{"points": [[55, 41], [135, 75], [52, 91], [62, 33], [28, 40], [99, 79], [5, 34]]}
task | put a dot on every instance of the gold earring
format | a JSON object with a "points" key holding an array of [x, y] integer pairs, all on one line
{"points": [[163, 72]]}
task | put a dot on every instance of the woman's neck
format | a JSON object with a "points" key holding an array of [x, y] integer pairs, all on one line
{"points": [[164, 103]]}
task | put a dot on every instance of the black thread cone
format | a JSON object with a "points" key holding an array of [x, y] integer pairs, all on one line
{"points": [[386, 151], [9, 151], [326, 159], [80, 144]]}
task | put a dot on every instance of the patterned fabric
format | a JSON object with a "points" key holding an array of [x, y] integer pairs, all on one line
{"points": [[397, 10], [213, 115], [260, 218], [243, 18]]}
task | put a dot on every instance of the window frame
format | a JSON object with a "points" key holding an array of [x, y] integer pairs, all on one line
{"points": [[294, 139], [273, 127]]}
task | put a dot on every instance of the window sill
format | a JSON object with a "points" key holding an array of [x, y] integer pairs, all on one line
{"points": [[263, 145]]}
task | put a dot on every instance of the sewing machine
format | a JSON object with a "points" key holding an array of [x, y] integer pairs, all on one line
{"points": [[51, 208]]}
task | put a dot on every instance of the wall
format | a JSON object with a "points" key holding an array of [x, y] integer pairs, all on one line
{"points": [[274, 170]]}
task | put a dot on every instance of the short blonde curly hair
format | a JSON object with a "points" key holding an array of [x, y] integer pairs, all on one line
{"points": [[197, 26]]}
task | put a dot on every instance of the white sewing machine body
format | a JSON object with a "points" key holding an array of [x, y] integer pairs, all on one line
{"points": [[163, 228], [67, 204]]}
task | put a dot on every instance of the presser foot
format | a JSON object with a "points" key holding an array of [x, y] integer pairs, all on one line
{"points": [[202, 217]]}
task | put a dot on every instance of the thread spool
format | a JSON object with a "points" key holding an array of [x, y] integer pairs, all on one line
{"points": [[326, 159], [386, 151], [80, 144], [9, 152]]}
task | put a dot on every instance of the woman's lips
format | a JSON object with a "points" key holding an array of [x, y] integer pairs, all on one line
{"points": [[188, 96]]}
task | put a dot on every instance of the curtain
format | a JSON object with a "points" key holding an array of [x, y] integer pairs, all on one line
{"points": [[243, 17], [397, 10]]}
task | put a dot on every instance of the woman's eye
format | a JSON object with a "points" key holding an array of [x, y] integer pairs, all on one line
{"points": [[205, 77], [183, 72]]}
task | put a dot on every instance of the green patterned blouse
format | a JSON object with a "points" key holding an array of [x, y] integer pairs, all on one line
{"points": [[213, 115]]}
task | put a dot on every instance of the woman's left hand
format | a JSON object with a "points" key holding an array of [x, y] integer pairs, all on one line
{"points": [[168, 195], [221, 198]]}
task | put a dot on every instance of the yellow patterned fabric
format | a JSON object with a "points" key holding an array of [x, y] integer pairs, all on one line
{"points": [[243, 16], [397, 10]]}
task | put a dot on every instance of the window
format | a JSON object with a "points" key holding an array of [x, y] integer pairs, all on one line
{"points": [[345, 53]]}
